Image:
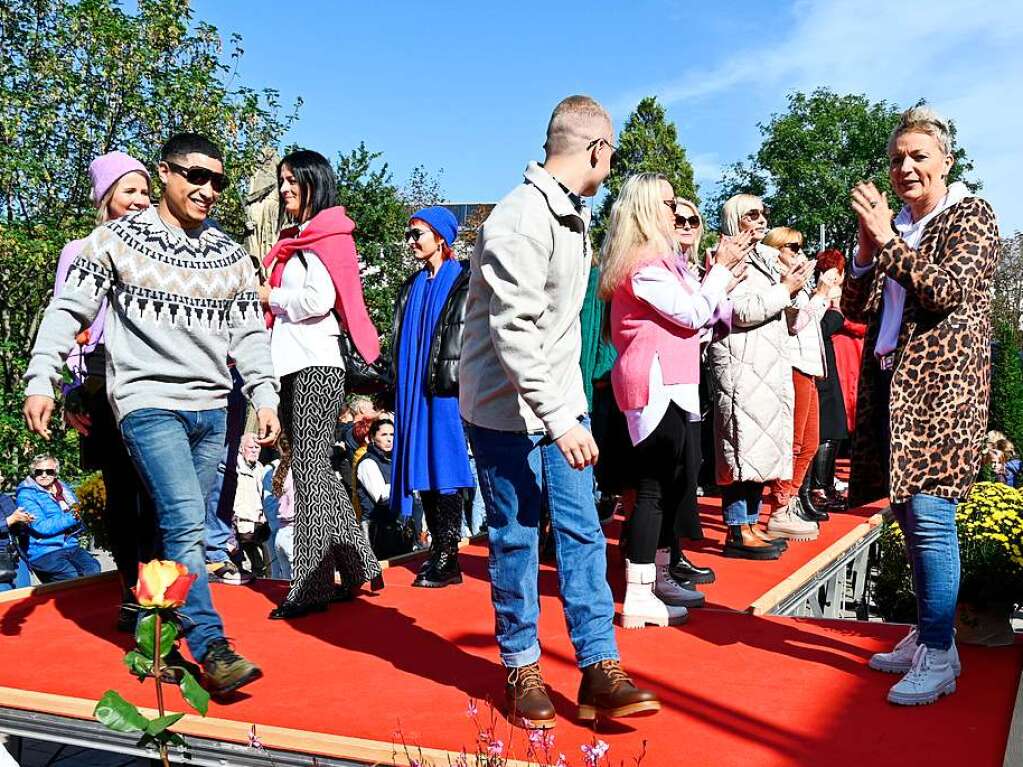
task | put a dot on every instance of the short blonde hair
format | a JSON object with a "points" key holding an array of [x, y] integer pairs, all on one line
{"points": [[735, 207], [923, 119], [44, 458], [635, 221], [574, 123], [781, 236]]}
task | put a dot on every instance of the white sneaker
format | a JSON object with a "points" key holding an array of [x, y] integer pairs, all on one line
{"points": [[670, 591], [930, 677], [900, 659], [785, 523], [642, 608]]}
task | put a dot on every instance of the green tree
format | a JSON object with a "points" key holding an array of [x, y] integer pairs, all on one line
{"points": [[78, 79], [647, 144], [811, 157], [1006, 414]]}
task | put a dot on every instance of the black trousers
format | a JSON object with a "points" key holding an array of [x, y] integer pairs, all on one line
{"points": [[667, 464]]}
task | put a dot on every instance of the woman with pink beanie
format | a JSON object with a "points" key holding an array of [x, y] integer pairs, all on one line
{"points": [[120, 184]]}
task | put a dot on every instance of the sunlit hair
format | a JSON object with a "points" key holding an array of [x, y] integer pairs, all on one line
{"points": [[734, 209], [693, 256], [830, 259], [103, 206], [782, 235], [444, 247], [635, 221], [576, 122], [39, 460], [923, 119]]}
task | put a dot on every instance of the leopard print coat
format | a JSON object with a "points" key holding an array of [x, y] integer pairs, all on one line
{"points": [[941, 378]]}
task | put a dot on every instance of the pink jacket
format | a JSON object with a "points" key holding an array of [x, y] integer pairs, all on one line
{"points": [[638, 332]]}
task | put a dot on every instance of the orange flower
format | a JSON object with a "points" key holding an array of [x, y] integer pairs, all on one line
{"points": [[162, 584]]}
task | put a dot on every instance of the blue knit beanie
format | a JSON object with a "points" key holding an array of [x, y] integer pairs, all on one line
{"points": [[441, 220]]}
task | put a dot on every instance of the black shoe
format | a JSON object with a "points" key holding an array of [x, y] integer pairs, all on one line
{"points": [[685, 571], [341, 594], [127, 617], [446, 572], [287, 610], [806, 510]]}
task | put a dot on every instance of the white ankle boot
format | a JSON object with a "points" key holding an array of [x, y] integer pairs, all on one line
{"points": [[930, 677], [670, 591], [642, 607], [900, 659]]}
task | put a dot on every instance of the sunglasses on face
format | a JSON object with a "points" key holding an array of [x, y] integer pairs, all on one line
{"points": [[753, 215], [795, 247], [598, 141], [693, 221], [44, 472], [414, 234], [200, 176]]}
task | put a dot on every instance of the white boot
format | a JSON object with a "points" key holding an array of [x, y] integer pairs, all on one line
{"points": [[900, 659], [641, 607], [785, 523], [930, 677], [670, 591]]}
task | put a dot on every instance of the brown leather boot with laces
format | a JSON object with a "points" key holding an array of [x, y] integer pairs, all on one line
{"points": [[526, 696], [607, 691]]}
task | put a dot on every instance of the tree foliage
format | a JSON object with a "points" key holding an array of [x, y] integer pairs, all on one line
{"points": [[1006, 414], [647, 144], [1007, 303], [811, 157], [78, 79]]}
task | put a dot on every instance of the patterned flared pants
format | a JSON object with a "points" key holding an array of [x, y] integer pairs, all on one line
{"points": [[327, 535]]}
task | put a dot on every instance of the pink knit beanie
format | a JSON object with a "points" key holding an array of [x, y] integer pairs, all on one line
{"points": [[106, 169]]}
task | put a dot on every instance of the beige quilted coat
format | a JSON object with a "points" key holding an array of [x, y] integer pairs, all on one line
{"points": [[751, 380]]}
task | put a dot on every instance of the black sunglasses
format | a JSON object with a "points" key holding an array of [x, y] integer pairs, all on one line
{"points": [[46, 472], [599, 141], [795, 247], [693, 221], [414, 234], [753, 215], [200, 176]]}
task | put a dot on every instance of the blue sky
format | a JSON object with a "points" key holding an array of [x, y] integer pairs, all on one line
{"points": [[465, 88]]}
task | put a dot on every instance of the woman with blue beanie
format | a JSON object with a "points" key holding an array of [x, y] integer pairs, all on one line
{"points": [[430, 455]]}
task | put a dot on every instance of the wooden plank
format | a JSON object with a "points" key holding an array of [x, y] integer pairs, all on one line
{"points": [[15, 595], [777, 593], [212, 728], [1014, 746]]}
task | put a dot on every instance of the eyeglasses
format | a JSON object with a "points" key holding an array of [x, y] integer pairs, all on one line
{"points": [[795, 247], [44, 472], [753, 215], [414, 234], [693, 221], [598, 141], [200, 176]]}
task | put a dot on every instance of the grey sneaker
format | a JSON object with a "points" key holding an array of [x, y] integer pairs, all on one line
{"points": [[785, 523], [900, 659], [930, 677]]}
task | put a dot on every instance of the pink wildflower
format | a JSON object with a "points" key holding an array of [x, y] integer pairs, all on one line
{"points": [[254, 741], [471, 710], [562, 761], [496, 748], [593, 754]]}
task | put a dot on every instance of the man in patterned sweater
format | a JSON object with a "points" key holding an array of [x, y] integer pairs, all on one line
{"points": [[182, 298]]}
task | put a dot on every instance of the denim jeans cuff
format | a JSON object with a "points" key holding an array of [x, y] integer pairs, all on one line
{"points": [[520, 659], [754, 520], [589, 660]]}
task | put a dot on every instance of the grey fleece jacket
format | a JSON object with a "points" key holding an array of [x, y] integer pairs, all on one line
{"points": [[180, 304], [519, 368]]}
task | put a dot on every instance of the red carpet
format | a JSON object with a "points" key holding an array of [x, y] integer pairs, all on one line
{"points": [[737, 689]]}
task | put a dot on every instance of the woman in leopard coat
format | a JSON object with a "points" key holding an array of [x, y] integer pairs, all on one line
{"points": [[921, 283]]}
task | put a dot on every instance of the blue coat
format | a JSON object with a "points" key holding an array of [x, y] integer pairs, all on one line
{"points": [[53, 528]]}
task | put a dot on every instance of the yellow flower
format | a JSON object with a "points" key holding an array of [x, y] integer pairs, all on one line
{"points": [[163, 584]]}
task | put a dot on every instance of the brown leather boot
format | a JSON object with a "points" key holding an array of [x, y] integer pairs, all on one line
{"points": [[780, 543], [607, 691], [743, 543], [526, 696]]}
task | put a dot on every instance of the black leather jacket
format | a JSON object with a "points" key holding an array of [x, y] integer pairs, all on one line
{"points": [[446, 343]]}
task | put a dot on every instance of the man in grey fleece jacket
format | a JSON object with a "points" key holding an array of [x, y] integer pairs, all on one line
{"points": [[182, 298], [521, 394]]}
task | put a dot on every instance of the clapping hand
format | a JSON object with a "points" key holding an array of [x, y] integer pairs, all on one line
{"points": [[738, 275], [733, 250], [795, 278], [875, 229]]}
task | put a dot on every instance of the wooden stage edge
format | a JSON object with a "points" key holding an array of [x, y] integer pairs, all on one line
{"points": [[777, 593]]}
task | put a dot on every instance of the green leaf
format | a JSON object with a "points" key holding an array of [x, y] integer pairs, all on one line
{"points": [[194, 693], [145, 635], [117, 714], [158, 725], [138, 664]]}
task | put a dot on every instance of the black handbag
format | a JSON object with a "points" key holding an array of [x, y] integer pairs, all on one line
{"points": [[362, 377]]}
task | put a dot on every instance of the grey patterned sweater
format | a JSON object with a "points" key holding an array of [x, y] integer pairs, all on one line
{"points": [[180, 304]]}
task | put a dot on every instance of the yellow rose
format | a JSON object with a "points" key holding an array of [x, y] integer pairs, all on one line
{"points": [[163, 584]]}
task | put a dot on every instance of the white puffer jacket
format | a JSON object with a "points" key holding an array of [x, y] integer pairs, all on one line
{"points": [[751, 378]]}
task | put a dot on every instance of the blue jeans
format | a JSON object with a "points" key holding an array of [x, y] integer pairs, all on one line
{"points": [[220, 541], [929, 526], [64, 565], [740, 502], [517, 473], [176, 454], [477, 514]]}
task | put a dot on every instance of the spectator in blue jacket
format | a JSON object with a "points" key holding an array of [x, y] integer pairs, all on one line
{"points": [[50, 540], [11, 518]]}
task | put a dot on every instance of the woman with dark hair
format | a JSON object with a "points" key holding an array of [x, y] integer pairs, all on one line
{"points": [[313, 295], [430, 455]]}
